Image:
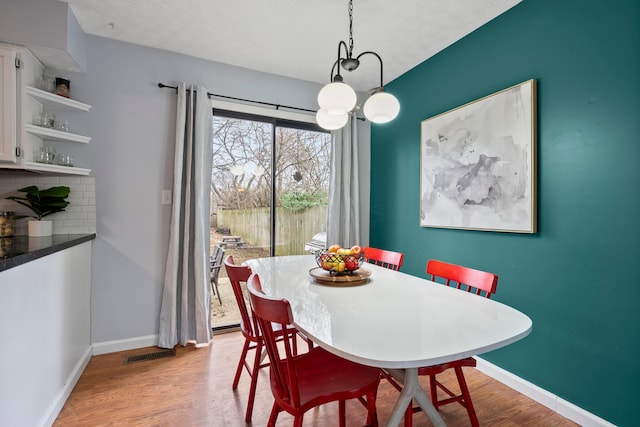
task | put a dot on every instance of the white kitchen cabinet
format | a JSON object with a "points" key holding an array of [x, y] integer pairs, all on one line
{"points": [[45, 326], [8, 105], [21, 98]]}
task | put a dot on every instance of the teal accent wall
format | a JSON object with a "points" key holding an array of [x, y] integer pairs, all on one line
{"points": [[576, 278]]}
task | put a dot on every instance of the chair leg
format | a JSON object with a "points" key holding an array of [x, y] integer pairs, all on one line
{"points": [[273, 417], [214, 290], [372, 413], [297, 420], [254, 381], [408, 415], [341, 414], [243, 355], [433, 389], [392, 381], [466, 397]]}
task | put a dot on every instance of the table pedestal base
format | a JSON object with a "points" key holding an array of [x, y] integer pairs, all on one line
{"points": [[411, 389]]}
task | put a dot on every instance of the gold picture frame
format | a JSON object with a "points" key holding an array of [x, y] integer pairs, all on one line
{"points": [[478, 164]]}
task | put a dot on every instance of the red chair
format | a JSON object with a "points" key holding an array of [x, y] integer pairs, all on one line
{"points": [[388, 259], [239, 274], [466, 279], [303, 382]]}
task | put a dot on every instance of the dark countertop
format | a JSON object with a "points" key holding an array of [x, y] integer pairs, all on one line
{"points": [[18, 250]]}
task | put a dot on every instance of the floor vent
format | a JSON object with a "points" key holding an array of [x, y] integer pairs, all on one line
{"points": [[150, 356]]}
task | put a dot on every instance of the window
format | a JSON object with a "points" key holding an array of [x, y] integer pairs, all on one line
{"points": [[269, 191]]}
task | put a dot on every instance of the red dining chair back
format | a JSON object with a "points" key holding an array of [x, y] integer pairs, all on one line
{"points": [[388, 259], [464, 278], [467, 279], [238, 275], [305, 381]]}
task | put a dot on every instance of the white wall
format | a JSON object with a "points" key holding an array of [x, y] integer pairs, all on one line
{"points": [[131, 124]]}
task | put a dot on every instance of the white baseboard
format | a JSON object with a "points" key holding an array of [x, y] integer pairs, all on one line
{"points": [[122, 345], [542, 396], [63, 394]]}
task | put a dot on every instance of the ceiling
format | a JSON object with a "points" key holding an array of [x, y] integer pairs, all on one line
{"points": [[294, 38]]}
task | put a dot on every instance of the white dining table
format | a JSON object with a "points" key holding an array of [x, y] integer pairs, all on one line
{"points": [[393, 321]]}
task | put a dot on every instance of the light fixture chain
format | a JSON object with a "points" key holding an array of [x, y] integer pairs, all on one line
{"points": [[350, 28]]}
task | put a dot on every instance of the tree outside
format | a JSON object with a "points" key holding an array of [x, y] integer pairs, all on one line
{"points": [[241, 194], [243, 153]]}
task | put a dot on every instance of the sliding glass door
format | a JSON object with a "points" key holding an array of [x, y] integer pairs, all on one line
{"points": [[302, 165], [269, 189]]}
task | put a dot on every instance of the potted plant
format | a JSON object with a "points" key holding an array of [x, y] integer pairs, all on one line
{"points": [[42, 203]]}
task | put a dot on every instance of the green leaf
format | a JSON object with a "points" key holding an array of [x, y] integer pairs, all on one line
{"points": [[43, 202], [55, 192], [30, 190]]}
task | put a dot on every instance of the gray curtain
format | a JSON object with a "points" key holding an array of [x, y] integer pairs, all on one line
{"points": [[185, 310], [343, 225]]}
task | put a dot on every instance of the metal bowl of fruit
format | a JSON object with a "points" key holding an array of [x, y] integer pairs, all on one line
{"points": [[337, 260]]}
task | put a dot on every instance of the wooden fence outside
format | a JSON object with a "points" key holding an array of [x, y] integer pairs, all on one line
{"points": [[293, 229]]}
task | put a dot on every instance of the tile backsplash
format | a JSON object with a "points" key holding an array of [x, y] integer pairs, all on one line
{"points": [[78, 218]]}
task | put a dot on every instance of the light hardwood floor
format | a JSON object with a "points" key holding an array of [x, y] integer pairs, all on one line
{"points": [[194, 389]]}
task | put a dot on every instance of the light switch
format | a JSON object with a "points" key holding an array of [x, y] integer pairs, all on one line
{"points": [[166, 197]]}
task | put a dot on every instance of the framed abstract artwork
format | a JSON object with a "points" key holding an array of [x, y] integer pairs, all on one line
{"points": [[478, 164]]}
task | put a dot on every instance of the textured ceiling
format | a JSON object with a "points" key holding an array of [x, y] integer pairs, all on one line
{"points": [[294, 38]]}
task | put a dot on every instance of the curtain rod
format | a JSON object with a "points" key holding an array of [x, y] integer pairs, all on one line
{"points": [[209, 94]]}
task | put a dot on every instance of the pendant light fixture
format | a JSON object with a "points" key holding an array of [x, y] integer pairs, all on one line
{"points": [[337, 99]]}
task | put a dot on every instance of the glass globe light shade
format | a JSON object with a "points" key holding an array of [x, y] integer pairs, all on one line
{"points": [[331, 121], [337, 98], [381, 107]]}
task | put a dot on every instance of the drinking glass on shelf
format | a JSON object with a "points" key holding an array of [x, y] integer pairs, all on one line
{"points": [[50, 119], [48, 84], [38, 155], [44, 119], [65, 160], [37, 118], [49, 154], [63, 125]]}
